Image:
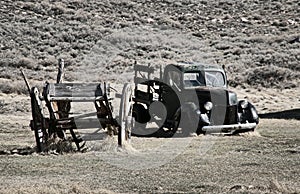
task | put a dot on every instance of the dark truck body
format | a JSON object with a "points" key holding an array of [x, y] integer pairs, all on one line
{"points": [[195, 98]]}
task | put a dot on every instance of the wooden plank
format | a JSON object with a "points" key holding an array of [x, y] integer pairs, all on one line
{"points": [[76, 98], [87, 123], [51, 89], [81, 90], [75, 87]]}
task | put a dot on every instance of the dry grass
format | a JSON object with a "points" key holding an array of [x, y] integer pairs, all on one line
{"points": [[233, 164]]}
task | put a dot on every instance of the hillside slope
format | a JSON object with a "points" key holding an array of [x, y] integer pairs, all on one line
{"points": [[258, 41]]}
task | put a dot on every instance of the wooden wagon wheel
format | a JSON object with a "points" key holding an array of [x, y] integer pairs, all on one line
{"points": [[126, 120], [38, 122]]}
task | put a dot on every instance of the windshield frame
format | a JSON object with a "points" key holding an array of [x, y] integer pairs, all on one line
{"points": [[204, 75]]}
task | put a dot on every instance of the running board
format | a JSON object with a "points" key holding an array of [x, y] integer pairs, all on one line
{"points": [[226, 128]]}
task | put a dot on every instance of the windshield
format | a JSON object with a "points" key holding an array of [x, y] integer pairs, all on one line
{"points": [[208, 78]]}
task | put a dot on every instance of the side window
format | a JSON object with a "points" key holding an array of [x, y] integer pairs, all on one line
{"points": [[174, 79], [193, 79]]}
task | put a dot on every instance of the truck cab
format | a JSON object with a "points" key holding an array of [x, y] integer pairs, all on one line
{"points": [[195, 98]]}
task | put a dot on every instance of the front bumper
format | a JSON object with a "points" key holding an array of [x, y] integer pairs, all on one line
{"points": [[229, 128]]}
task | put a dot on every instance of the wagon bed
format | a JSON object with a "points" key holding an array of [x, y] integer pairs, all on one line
{"points": [[57, 98]]}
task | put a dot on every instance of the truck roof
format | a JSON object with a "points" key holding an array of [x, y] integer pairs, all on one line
{"points": [[196, 66]]}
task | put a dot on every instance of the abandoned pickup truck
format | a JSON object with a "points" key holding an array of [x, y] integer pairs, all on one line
{"points": [[188, 98]]}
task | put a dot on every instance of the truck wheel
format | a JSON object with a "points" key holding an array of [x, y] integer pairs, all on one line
{"points": [[140, 113], [177, 117], [250, 115], [170, 130]]}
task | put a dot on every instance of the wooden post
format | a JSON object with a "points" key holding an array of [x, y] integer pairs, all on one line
{"points": [[60, 74], [26, 81]]}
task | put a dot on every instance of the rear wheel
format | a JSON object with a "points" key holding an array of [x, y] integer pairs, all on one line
{"points": [[149, 121], [170, 129]]}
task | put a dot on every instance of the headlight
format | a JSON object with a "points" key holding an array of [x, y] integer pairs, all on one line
{"points": [[232, 98], [244, 104], [208, 106]]}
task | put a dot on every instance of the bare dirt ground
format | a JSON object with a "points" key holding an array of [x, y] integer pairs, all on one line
{"points": [[257, 41], [264, 161]]}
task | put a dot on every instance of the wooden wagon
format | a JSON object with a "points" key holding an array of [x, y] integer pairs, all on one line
{"points": [[57, 98]]}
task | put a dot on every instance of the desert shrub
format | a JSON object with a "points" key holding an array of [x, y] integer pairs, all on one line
{"points": [[222, 46], [58, 9], [170, 23], [22, 62], [13, 87], [60, 146], [3, 104], [271, 76], [26, 63], [35, 7], [49, 61]]}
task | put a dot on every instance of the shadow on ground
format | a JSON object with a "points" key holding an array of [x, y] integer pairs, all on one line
{"points": [[19, 151], [286, 114]]}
